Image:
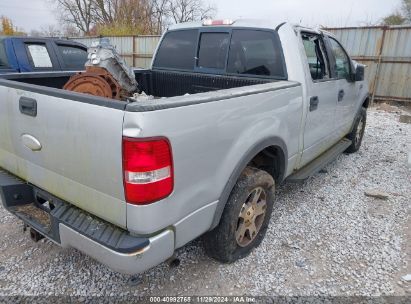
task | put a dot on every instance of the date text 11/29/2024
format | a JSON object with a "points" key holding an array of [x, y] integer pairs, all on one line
{"points": [[203, 299]]}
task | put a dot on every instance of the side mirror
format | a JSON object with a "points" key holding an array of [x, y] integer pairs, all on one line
{"points": [[359, 72]]}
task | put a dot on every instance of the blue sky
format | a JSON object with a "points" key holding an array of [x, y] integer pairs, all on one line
{"points": [[33, 14]]}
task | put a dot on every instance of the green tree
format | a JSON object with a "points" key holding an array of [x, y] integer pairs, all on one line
{"points": [[406, 10], [394, 19], [400, 16]]}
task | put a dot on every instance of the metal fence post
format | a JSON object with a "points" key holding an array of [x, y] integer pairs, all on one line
{"points": [[134, 50], [378, 69]]}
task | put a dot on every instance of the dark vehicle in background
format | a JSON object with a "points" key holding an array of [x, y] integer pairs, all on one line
{"points": [[25, 54]]}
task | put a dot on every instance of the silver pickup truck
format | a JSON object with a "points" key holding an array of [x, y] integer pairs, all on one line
{"points": [[240, 107]]}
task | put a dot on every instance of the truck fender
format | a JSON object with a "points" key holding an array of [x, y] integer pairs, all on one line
{"points": [[367, 96], [241, 165]]}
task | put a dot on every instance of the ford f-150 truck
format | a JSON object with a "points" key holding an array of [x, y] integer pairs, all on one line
{"points": [[240, 106], [30, 54]]}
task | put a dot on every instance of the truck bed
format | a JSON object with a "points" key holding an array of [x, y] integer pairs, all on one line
{"points": [[159, 83]]}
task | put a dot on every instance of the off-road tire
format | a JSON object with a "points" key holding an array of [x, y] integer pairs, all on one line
{"points": [[357, 132], [221, 243]]}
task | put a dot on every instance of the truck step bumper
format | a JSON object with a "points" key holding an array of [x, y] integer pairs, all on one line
{"points": [[70, 226]]}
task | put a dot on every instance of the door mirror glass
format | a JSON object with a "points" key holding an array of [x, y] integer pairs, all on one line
{"points": [[359, 72]]}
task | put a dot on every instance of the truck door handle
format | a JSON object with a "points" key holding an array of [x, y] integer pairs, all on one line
{"points": [[341, 95], [314, 103], [28, 106]]}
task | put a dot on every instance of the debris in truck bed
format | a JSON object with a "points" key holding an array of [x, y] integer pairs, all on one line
{"points": [[141, 97], [107, 74]]}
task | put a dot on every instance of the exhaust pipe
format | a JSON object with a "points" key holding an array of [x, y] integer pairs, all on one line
{"points": [[35, 236]]}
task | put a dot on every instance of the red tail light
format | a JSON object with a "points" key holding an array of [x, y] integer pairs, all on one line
{"points": [[148, 170]]}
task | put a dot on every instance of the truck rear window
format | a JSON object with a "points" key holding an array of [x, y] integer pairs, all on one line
{"points": [[177, 50], [4, 64], [250, 52], [73, 57], [213, 50], [255, 52]]}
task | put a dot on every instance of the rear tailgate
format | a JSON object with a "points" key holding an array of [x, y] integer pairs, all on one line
{"points": [[80, 137]]}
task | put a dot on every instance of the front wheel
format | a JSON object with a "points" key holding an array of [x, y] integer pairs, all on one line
{"points": [[245, 218], [357, 132]]}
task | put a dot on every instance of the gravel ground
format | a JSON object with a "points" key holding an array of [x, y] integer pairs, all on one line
{"points": [[325, 238]]}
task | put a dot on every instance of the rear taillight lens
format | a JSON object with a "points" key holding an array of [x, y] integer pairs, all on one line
{"points": [[148, 170]]}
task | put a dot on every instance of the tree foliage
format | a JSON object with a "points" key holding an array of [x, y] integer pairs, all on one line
{"points": [[128, 17], [7, 27], [393, 19], [399, 17], [189, 10], [78, 12], [406, 10]]}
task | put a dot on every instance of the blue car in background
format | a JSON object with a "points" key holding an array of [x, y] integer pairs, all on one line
{"points": [[26, 54]]}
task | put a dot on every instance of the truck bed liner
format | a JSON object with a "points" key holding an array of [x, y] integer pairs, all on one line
{"points": [[164, 83]]}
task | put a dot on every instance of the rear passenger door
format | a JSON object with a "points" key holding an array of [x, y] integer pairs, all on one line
{"points": [[319, 132]]}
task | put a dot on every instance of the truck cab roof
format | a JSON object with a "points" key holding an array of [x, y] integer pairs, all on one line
{"points": [[249, 23], [43, 39]]}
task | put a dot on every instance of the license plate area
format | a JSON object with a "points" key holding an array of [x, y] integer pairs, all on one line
{"points": [[31, 205], [45, 213], [34, 215]]}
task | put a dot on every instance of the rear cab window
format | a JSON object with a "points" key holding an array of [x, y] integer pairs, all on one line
{"points": [[254, 52], [241, 52], [212, 51], [73, 57], [177, 50]]}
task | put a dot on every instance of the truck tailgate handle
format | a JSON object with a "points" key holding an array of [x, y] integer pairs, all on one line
{"points": [[314, 103], [28, 106]]}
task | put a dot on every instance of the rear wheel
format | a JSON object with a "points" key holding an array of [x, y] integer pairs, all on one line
{"points": [[245, 218], [357, 132]]}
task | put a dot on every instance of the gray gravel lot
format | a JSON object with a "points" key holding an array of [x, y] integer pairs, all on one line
{"points": [[325, 238]]}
